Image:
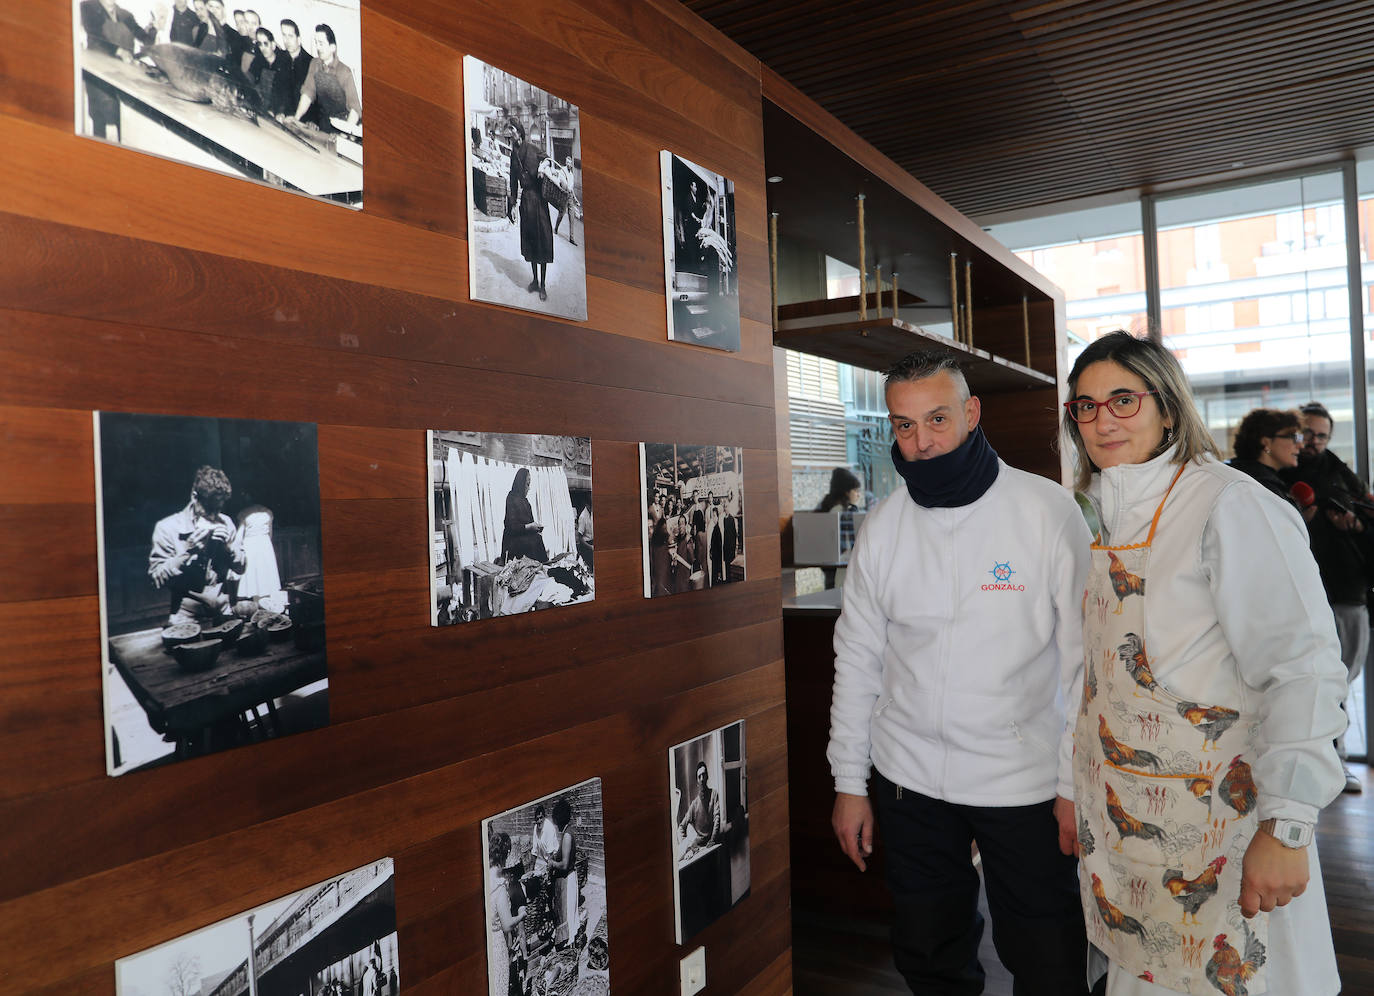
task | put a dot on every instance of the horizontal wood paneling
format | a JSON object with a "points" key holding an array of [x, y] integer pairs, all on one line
{"points": [[231, 299]]}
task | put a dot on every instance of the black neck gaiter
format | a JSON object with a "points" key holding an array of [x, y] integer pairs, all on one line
{"points": [[956, 478]]}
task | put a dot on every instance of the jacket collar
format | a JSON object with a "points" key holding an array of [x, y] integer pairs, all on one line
{"points": [[1118, 491]]}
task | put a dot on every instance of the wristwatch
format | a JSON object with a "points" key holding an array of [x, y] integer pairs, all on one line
{"points": [[1289, 833]]}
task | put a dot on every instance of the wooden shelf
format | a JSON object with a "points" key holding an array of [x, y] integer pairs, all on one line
{"points": [[877, 343]]}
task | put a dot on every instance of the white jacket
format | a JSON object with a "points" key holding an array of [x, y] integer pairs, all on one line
{"points": [[958, 630], [1236, 613]]}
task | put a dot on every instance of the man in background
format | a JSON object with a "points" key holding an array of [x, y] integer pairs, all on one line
{"points": [[329, 85], [700, 826], [300, 60], [1342, 543], [195, 550]]}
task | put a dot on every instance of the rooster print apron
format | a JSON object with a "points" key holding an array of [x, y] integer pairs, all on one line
{"points": [[1164, 800]]}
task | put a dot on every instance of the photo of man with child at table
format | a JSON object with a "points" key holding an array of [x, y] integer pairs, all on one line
{"points": [[693, 505], [546, 897], [212, 593], [510, 524]]}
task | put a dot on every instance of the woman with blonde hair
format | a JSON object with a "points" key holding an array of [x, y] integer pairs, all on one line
{"points": [[1211, 690]]}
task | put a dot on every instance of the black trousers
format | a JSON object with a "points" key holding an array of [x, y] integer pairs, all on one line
{"points": [[1037, 919]]}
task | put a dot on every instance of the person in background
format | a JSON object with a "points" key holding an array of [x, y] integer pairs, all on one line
{"points": [[1268, 441], [536, 230], [209, 34], [329, 85], [521, 535], [565, 180], [232, 40], [1203, 615], [270, 72], [585, 547], [184, 22], [843, 498], [563, 867], [700, 825], [300, 60], [955, 650], [701, 547], [113, 30], [195, 549], [1342, 542], [504, 923]]}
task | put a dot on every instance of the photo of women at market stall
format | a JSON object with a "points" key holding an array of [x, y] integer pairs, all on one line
{"points": [[692, 500], [336, 938], [525, 223], [510, 524], [545, 880], [699, 254], [710, 833], [211, 585], [270, 91]]}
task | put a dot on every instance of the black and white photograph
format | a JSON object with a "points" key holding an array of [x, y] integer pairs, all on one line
{"points": [[270, 92], [699, 254], [510, 523], [337, 938], [710, 833], [692, 501], [546, 896], [525, 234], [211, 584]]}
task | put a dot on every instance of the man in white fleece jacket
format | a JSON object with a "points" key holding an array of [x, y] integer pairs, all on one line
{"points": [[961, 626]]}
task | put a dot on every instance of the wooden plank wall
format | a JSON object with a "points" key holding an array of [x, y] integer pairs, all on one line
{"points": [[130, 283]]}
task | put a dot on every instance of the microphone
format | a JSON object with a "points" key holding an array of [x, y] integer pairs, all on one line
{"points": [[1303, 494]]}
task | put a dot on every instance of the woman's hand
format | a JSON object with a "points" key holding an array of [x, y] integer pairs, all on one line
{"points": [[1271, 875]]}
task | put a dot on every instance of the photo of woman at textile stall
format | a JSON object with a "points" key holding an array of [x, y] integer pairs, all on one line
{"points": [[510, 523]]}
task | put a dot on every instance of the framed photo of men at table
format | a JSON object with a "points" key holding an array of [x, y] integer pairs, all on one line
{"points": [[211, 584], [269, 91], [710, 827]]}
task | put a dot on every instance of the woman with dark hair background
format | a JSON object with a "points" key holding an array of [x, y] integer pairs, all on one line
{"points": [[1267, 441], [521, 536], [844, 496]]}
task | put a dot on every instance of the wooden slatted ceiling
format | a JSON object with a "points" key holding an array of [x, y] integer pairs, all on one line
{"points": [[1001, 106]]}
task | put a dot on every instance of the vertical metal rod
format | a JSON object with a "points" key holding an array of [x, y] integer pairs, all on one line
{"points": [[1025, 326], [894, 295], [1355, 288], [863, 266], [968, 302], [773, 261], [878, 289], [954, 294], [1154, 311]]}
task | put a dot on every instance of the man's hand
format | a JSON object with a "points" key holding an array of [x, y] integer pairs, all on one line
{"points": [[1271, 875], [852, 821], [1068, 825]]}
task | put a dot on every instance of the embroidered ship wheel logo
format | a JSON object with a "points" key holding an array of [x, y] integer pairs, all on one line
{"points": [[1001, 572]]}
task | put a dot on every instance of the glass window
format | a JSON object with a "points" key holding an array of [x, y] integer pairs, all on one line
{"points": [[1253, 299], [1097, 257]]}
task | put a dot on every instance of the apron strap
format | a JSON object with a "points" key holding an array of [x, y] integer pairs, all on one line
{"points": [[1154, 523]]}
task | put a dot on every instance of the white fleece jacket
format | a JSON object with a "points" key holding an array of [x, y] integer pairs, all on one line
{"points": [[959, 629]]}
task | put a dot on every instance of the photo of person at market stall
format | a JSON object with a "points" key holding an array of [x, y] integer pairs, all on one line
{"points": [[692, 500], [546, 896], [710, 812], [699, 254], [524, 157], [510, 524], [270, 93], [212, 595]]}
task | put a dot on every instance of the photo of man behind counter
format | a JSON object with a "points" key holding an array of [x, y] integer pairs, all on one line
{"points": [[212, 597]]}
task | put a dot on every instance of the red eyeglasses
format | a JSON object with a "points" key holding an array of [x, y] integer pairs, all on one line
{"points": [[1122, 405]]}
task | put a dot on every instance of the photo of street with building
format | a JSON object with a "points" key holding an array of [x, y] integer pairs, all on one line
{"points": [[337, 938], [510, 522], [709, 804], [272, 92], [211, 584], [699, 254], [525, 219], [545, 878], [692, 500]]}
